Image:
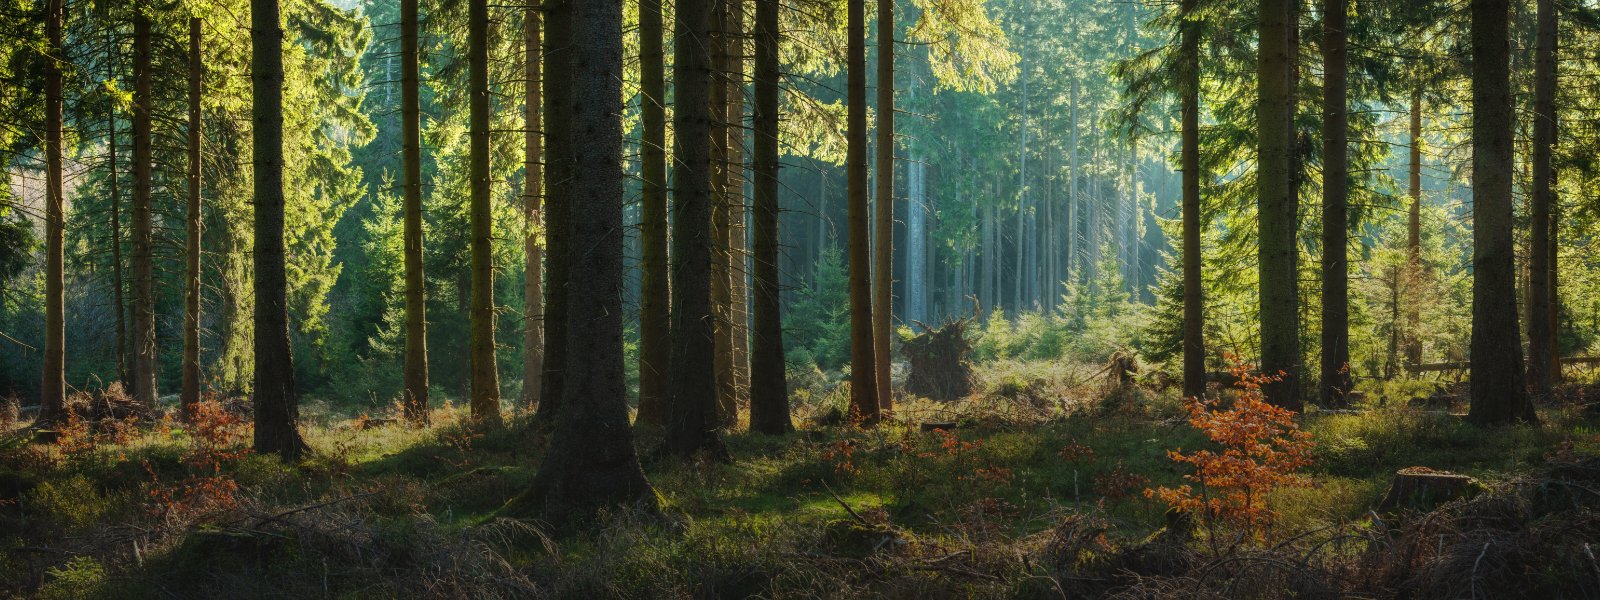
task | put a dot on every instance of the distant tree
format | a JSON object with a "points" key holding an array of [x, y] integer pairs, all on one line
{"points": [[144, 312], [416, 311], [655, 299], [1498, 395], [1335, 383], [769, 387], [277, 409], [191, 314], [1278, 203], [863, 361], [591, 463]]}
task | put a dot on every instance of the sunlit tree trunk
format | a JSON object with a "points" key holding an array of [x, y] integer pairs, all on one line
{"points": [[738, 208], [277, 410], [533, 213], [1498, 395], [1277, 204], [144, 316], [1194, 348], [191, 313], [883, 218], [416, 344], [485, 398], [592, 464], [117, 280], [769, 388], [655, 293], [721, 215], [863, 369], [1541, 361], [53, 391], [693, 424], [1414, 270]]}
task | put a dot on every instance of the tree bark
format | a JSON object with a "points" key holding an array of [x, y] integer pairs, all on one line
{"points": [[416, 344], [117, 280], [655, 294], [191, 321], [53, 391], [1336, 381], [1498, 395], [277, 409], [485, 374], [721, 214], [693, 425], [1540, 332], [558, 171], [769, 387], [863, 361], [592, 464], [1414, 234], [883, 221], [144, 315], [1278, 205], [1194, 349], [532, 214], [738, 206]]}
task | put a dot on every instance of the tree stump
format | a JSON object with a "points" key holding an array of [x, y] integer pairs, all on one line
{"points": [[938, 357], [1423, 487]]}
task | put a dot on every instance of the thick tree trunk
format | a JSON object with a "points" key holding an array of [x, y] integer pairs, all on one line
{"points": [[1540, 332], [416, 350], [53, 391], [485, 374], [533, 213], [863, 353], [883, 218], [1336, 381], [1277, 205], [558, 152], [191, 304], [1498, 395], [1194, 348], [1414, 269], [592, 464], [655, 293], [277, 406], [144, 311], [693, 426], [769, 388]]}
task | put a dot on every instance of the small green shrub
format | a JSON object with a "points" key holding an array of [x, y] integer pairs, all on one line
{"points": [[81, 577], [73, 502]]}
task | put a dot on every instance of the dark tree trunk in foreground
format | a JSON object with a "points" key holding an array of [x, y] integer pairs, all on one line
{"points": [[416, 357], [1498, 396], [1414, 234], [1336, 381], [533, 250], [883, 217], [1194, 347], [1277, 204], [144, 310], [558, 150], [769, 388], [591, 464], [485, 374], [863, 369], [53, 391], [1541, 349], [692, 426], [277, 409], [655, 293], [191, 304]]}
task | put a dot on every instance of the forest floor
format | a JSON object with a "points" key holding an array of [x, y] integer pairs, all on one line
{"points": [[1038, 491]]}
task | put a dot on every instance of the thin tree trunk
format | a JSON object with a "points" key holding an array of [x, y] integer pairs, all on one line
{"points": [[1194, 348], [416, 344], [738, 207], [117, 281], [277, 406], [655, 294], [693, 426], [863, 353], [1554, 248], [144, 316], [883, 221], [558, 172], [1540, 331], [1277, 203], [485, 375], [721, 215], [533, 213], [191, 321], [1073, 198], [769, 388], [1336, 381], [592, 464], [1498, 395], [1414, 270], [53, 391]]}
